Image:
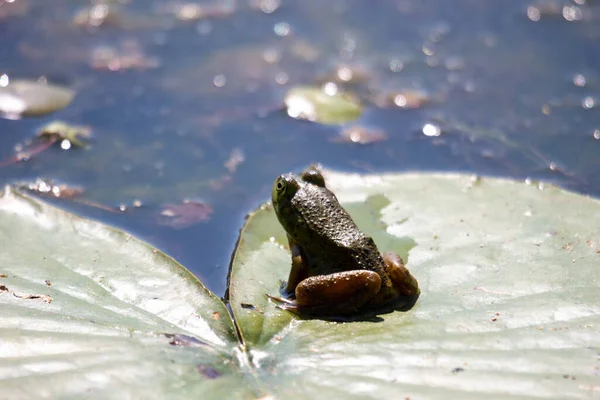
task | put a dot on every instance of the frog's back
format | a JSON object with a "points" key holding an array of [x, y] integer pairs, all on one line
{"points": [[330, 237], [324, 219]]}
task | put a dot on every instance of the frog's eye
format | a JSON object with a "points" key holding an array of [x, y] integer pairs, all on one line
{"points": [[280, 186]]}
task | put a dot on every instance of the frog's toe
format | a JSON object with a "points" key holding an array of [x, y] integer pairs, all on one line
{"points": [[284, 304], [280, 300]]}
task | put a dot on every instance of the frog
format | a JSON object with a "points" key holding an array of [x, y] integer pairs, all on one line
{"points": [[337, 270]]}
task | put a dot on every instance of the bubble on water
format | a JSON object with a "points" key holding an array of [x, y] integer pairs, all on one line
{"points": [[533, 13], [282, 29], [282, 78], [219, 80], [572, 13], [269, 6], [396, 65], [588, 102]]}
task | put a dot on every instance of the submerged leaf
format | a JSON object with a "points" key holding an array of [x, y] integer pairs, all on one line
{"points": [[314, 104]]}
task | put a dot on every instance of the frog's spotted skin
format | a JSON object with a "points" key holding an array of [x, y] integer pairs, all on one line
{"points": [[336, 269]]}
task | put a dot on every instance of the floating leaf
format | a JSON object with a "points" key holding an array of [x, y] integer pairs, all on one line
{"points": [[313, 104], [106, 323], [32, 98], [60, 130], [509, 306]]}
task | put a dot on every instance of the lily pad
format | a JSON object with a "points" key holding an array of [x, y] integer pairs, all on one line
{"points": [[88, 311], [510, 303], [509, 306], [315, 105], [31, 98]]}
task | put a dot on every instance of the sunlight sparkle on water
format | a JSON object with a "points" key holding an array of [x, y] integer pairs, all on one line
{"points": [[298, 107], [344, 73], [330, 88], [431, 130]]}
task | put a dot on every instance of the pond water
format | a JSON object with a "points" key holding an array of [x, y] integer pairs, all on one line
{"points": [[185, 101]]}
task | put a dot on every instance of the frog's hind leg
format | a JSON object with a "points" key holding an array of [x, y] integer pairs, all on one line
{"points": [[340, 293], [313, 175]]}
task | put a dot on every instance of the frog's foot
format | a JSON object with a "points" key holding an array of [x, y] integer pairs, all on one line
{"points": [[404, 283], [282, 302], [401, 291]]}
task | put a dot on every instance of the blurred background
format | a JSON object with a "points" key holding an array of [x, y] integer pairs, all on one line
{"points": [[185, 105]]}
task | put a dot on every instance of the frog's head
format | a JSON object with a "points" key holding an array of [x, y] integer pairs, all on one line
{"points": [[284, 189]]}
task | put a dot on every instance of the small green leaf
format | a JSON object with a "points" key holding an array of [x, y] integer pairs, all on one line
{"points": [[313, 104]]}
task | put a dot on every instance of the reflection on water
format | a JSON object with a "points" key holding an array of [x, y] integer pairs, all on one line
{"points": [[185, 101]]}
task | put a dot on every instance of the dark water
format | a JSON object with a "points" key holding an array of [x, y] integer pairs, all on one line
{"points": [[513, 96]]}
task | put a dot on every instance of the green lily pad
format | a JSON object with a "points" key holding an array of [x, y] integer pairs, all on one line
{"points": [[89, 311], [27, 98], [509, 306], [313, 104]]}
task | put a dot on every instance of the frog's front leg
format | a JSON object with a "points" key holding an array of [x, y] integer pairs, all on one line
{"points": [[298, 272], [339, 293]]}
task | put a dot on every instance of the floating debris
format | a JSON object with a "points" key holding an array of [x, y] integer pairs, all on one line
{"points": [[406, 99], [46, 298], [360, 135], [208, 372], [179, 216], [127, 56], [12, 8], [236, 158], [195, 12], [68, 135], [48, 187], [101, 14], [181, 340]]}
